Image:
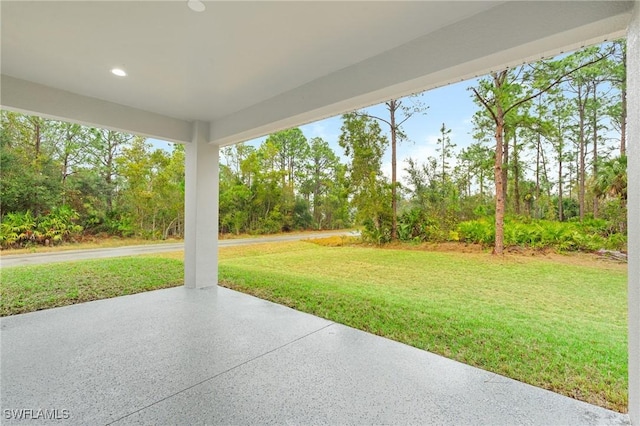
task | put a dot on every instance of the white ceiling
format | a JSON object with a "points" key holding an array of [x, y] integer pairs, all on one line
{"points": [[248, 68]]}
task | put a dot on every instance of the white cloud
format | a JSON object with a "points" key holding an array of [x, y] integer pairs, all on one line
{"points": [[316, 130], [328, 129]]}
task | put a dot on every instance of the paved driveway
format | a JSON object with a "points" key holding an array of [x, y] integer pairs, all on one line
{"points": [[63, 256]]}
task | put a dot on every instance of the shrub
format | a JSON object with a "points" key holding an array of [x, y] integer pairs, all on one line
{"points": [[59, 225], [17, 227], [476, 231], [375, 234], [21, 229], [590, 235]]}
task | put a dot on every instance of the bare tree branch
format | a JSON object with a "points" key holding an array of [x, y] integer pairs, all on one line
{"points": [[407, 116], [362, 114], [554, 82], [486, 104]]}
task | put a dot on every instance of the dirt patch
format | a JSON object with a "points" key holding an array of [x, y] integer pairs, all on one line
{"points": [[335, 241], [586, 259], [517, 254]]}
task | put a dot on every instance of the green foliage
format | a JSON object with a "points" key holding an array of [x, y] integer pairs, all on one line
{"points": [[21, 229], [16, 228], [478, 231], [377, 232], [614, 211], [364, 145], [28, 183], [59, 225], [287, 184], [416, 225], [589, 235]]}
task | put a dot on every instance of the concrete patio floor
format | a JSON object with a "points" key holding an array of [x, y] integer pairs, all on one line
{"points": [[215, 356]]}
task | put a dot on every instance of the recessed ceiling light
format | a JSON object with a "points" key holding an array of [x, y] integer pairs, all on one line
{"points": [[119, 72], [196, 5]]}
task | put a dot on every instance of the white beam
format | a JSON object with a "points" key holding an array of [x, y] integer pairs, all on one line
{"points": [[633, 203], [450, 55], [31, 98], [201, 210]]}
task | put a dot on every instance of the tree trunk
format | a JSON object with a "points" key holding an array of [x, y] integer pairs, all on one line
{"points": [[394, 202], [571, 180], [505, 165], [594, 120], [538, 168], [109, 170], [545, 174], [581, 155], [37, 136], [498, 247], [516, 172], [560, 212], [623, 118]]}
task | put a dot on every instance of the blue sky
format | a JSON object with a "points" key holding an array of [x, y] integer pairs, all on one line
{"points": [[452, 105]]}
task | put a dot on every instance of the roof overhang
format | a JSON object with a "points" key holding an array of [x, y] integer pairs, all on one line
{"points": [[251, 68]]}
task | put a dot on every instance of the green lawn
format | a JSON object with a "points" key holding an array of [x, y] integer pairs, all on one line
{"points": [[557, 322], [31, 288], [548, 322]]}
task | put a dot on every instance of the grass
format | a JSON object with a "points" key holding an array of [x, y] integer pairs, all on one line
{"points": [[557, 322], [540, 320], [31, 288]]}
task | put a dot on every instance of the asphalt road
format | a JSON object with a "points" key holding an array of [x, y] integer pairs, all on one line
{"points": [[64, 256]]}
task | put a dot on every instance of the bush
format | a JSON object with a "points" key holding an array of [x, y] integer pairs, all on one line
{"points": [[16, 228], [59, 225], [590, 235], [23, 229], [476, 231], [376, 234]]}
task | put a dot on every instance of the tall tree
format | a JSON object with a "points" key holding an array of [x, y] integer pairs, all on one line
{"points": [[582, 83], [557, 121], [364, 144], [398, 115], [320, 171], [104, 148], [500, 95], [497, 97], [30, 176], [618, 77], [292, 150], [69, 147], [445, 148], [480, 159]]}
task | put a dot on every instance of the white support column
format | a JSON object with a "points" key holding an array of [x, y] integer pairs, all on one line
{"points": [[201, 210], [633, 214]]}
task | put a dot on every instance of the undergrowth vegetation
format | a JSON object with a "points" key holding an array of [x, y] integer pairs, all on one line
{"points": [[23, 229], [589, 235]]}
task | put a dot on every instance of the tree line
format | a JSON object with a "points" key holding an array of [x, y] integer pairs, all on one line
{"points": [[81, 178], [549, 145]]}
